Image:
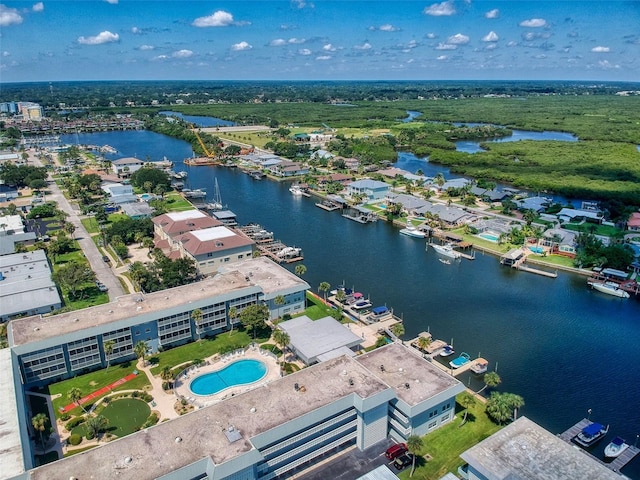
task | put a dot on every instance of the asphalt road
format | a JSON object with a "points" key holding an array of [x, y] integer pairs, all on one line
{"points": [[103, 270]]}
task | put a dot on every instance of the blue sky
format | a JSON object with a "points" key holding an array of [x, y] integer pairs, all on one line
{"points": [[319, 40]]}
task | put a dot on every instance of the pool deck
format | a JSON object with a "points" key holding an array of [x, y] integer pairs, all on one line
{"points": [[181, 385]]}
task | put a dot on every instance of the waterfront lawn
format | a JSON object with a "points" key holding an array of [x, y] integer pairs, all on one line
{"points": [[225, 342], [447, 443], [177, 203], [316, 309], [93, 381]]}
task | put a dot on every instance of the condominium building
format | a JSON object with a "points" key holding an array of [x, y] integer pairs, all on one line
{"points": [[280, 428], [59, 346]]}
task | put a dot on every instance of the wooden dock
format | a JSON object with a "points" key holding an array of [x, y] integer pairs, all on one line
{"points": [[329, 207], [526, 268], [617, 463]]}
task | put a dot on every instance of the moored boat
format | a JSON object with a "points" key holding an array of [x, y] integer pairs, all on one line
{"points": [[615, 448], [447, 351], [610, 288], [412, 231], [447, 250], [479, 366], [460, 361], [591, 434]]}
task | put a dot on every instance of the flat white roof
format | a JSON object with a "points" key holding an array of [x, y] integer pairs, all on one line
{"points": [[213, 233], [10, 441], [186, 215]]}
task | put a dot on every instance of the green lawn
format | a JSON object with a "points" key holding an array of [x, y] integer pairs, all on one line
{"points": [[605, 230], [90, 225], [202, 349], [125, 416], [316, 309], [93, 381], [177, 203], [447, 443], [73, 452]]}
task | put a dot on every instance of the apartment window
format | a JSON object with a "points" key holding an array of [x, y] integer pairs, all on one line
{"points": [[432, 425]]}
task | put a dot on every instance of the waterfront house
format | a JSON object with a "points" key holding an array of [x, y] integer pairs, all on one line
{"points": [[314, 341], [340, 178], [410, 204], [288, 169], [137, 210], [455, 183], [170, 225], [322, 154], [124, 167], [211, 247], [537, 204], [561, 241], [525, 450], [119, 193], [572, 214], [448, 215], [372, 189]]}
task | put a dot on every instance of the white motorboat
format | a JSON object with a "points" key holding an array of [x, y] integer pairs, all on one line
{"points": [[610, 288], [591, 434], [447, 250], [446, 351], [479, 366], [296, 190], [615, 448], [412, 231]]}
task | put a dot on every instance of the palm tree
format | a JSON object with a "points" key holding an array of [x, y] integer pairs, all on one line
{"points": [[324, 287], [398, 330], [39, 423], [515, 402], [491, 379], [281, 339], [141, 350], [108, 350], [96, 425], [279, 300], [341, 296], [196, 316], [233, 314], [75, 395], [167, 375], [424, 342], [414, 444], [300, 270], [466, 400]]}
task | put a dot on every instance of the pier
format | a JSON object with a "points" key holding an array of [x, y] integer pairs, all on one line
{"points": [[268, 246], [328, 205], [617, 463]]}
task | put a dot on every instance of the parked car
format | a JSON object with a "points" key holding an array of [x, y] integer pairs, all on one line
{"points": [[101, 286], [395, 450], [106, 259], [403, 461]]}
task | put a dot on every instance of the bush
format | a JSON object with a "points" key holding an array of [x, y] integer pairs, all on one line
{"points": [[146, 397], [74, 439], [135, 394], [152, 420], [74, 422], [91, 435], [106, 400], [65, 416]]}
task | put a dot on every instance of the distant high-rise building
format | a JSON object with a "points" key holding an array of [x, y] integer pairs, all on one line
{"points": [[9, 107], [31, 111]]}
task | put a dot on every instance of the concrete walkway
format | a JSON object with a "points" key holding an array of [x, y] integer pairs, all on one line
{"points": [[164, 402]]}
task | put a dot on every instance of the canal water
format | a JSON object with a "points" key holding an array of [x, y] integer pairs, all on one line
{"points": [[561, 346]]}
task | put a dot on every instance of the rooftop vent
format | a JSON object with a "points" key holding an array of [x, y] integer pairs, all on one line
{"points": [[38, 328], [382, 368], [128, 460], [178, 439], [253, 410], [296, 387], [407, 386], [351, 382]]}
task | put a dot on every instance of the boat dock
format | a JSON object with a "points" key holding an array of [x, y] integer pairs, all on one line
{"points": [[327, 205], [268, 246], [617, 463], [517, 257], [526, 268]]}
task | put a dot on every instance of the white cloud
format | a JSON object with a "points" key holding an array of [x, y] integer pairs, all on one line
{"points": [[241, 46], [601, 49], [302, 4], [112, 2], [38, 7], [102, 37], [458, 39], [431, 35], [442, 57], [491, 46], [512, 44], [323, 57], [491, 37], [304, 51], [136, 30], [160, 57], [9, 16], [182, 53], [219, 18], [606, 64], [446, 46], [533, 23], [387, 27], [146, 47], [296, 41], [495, 13], [329, 48], [278, 42], [364, 46], [6, 54], [441, 9]]}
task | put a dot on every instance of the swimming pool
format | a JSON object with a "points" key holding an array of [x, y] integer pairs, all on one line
{"points": [[538, 250], [490, 236], [242, 372]]}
